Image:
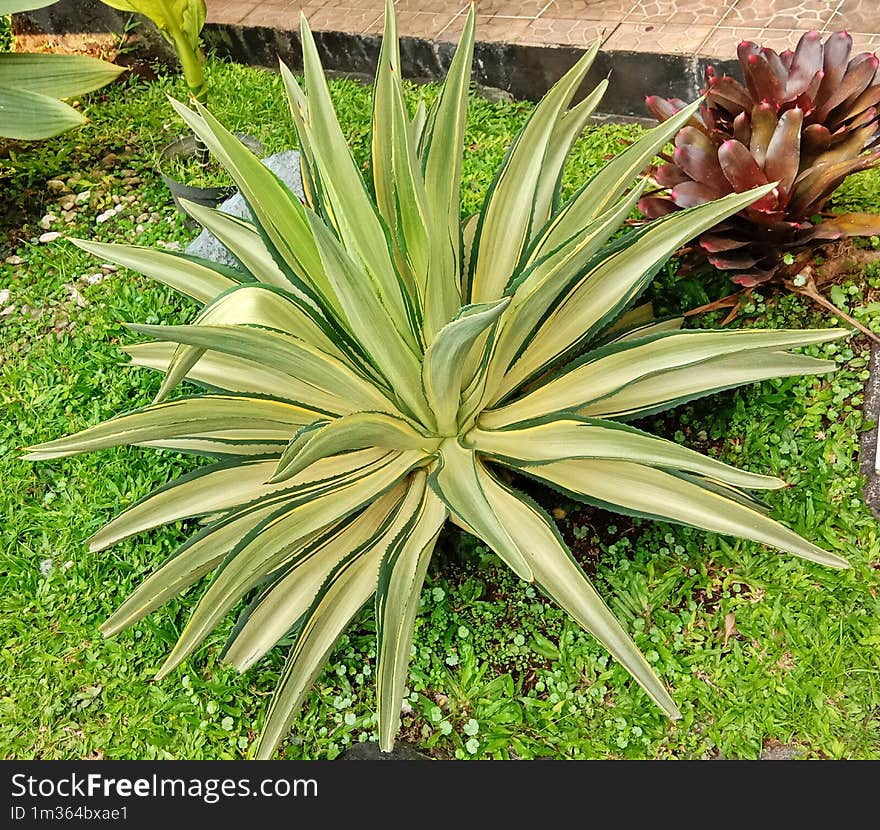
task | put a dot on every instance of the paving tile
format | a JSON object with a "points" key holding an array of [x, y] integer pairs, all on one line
{"points": [[699, 12], [613, 11], [865, 42], [511, 8], [282, 15], [780, 39], [226, 11], [723, 40], [425, 25], [354, 21], [802, 15], [672, 38], [559, 31], [431, 6], [377, 6], [861, 16], [491, 28]]}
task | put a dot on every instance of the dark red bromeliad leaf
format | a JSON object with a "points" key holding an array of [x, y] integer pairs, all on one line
{"points": [[805, 118]]}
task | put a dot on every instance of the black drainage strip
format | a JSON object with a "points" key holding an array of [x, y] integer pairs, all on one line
{"points": [[526, 72]]}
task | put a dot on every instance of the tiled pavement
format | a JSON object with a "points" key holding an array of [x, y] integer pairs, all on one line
{"points": [[685, 27]]}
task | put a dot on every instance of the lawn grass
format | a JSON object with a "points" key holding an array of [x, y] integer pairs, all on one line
{"points": [[758, 647]]}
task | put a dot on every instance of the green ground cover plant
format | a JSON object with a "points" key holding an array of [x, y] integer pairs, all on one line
{"points": [[496, 671]]}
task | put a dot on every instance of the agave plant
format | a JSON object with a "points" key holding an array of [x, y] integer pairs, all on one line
{"points": [[375, 361], [805, 120]]}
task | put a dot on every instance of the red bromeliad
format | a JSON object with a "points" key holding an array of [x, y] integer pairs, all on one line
{"points": [[806, 119]]}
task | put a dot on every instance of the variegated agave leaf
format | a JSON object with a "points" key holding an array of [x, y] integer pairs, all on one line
{"points": [[804, 120], [367, 373]]}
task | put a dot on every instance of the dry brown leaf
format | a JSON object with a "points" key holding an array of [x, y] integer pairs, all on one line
{"points": [[729, 628]]}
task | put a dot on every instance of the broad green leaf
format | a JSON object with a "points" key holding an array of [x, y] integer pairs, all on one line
{"points": [[29, 116], [186, 416], [631, 488], [612, 369], [458, 481], [278, 609], [351, 432], [169, 16], [558, 574], [16, 6], [188, 276], [443, 371], [57, 76], [637, 332], [568, 437], [401, 576], [277, 540]]}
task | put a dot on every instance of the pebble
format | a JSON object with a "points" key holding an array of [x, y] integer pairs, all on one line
{"points": [[139, 229], [143, 217], [78, 298], [67, 202], [56, 186], [74, 180], [109, 268], [46, 238], [109, 160], [94, 279], [101, 218], [8, 311], [130, 181], [4, 296], [14, 260], [47, 220], [115, 198], [83, 197]]}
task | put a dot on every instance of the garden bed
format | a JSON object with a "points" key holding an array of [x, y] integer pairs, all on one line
{"points": [[761, 649]]}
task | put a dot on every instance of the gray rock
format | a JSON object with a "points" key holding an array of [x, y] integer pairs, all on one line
{"points": [[369, 751], [284, 165], [785, 752]]}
